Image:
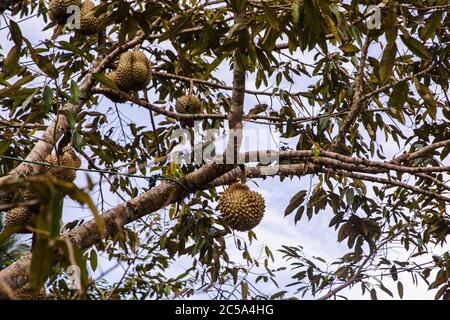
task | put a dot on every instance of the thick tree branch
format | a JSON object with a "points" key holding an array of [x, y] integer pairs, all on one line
{"points": [[57, 128], [86, 235]]}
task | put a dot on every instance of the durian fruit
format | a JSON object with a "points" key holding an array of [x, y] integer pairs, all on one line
{"points": [[134, 70], [88, 21], [113, 97], [6, 198], [23, 194], [22, 217], [241, 208], [68, 159], [57, 10], [25, 293], [188, 104]]}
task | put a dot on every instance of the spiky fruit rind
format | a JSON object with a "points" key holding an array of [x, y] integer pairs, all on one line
{"points": [[241, 208], [21, 217], [133, 71], [188, 104], [68, 159], [25, 293], [22, 194], [88, 21], [142, 58], [6, 197], [113, 97], [57, 10]]}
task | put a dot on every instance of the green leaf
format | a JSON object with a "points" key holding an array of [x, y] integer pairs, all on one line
{"points": [[416, 47], [4, 145], [295, 202], [93, 260], [11, 63], [244, 290], [387, 62], [390, 25], [41, 262], [55, 206], [29, 99], [382, 287], [257, 110], [349, 49], [271, 17], [394, 273], [278, 295], [323, 124], [398, 96], [440, 292], [48, 99], [83, 198], [430, 27], [295, 11], [77, 140], [299, 214], [103, 79], [10, 89], [16, 34], [373, 294], [427, 96], [238, 5], [42, 62], [70, 119], [400, 289], [74, 92]]}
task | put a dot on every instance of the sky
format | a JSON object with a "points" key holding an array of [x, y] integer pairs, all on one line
{"points": [[275, 230]]}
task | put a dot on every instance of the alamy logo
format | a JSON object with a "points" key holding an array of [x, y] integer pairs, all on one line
{"points": [[74, 20], [212, 147], [74, 274], [374, 20]]}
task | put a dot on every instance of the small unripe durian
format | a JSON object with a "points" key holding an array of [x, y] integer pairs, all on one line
{"points": [[134, 70], [6, 198], [188, 104], [25, 293], [68, 159], [113, 97], [57, 10], [241, 208], [21, 217], [88, 21]]}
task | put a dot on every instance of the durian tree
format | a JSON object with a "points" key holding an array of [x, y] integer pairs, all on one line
{"points": [[356, 91]]}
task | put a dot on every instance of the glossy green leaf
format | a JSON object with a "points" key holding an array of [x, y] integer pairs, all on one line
{"points": [[11, 64], [48, 99], [432, 24], [385, 69], [416, 47]]}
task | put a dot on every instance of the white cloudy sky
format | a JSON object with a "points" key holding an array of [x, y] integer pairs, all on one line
{"points": [[275, 230]]}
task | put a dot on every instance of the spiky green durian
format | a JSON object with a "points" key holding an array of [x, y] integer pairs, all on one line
{"points": [[25, 293], [21, 217], [113, 97], [6, 198], [67, 159], [134, 70], [57, 10], [88, 21], [241, 208], [70, 157], [188, 104]]}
